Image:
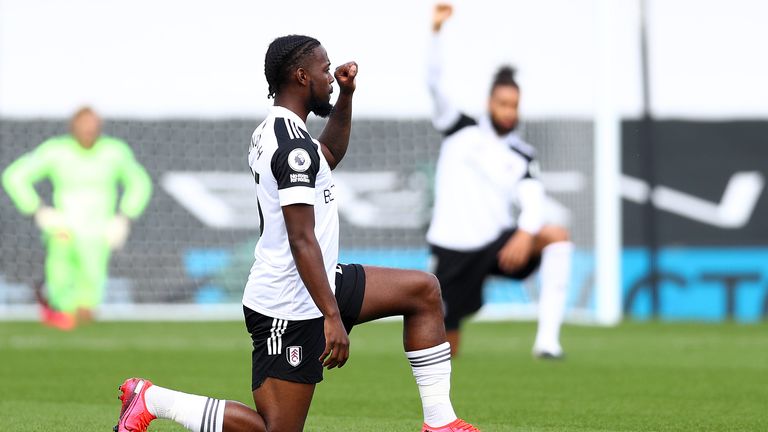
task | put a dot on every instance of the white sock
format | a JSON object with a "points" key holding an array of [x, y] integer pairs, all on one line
{"points": [[196, 413], [555, 275], [432, 370]]}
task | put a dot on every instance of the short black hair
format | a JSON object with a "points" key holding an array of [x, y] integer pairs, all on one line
{"points": [[284, 54], [505, 76]]}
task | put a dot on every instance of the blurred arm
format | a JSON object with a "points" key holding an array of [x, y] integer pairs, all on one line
{"points": [[137, 184], [445, 115], [530, 192], [19, 179]]}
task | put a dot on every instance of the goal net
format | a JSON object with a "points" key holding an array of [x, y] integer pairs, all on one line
{"points": [[189, 255]]}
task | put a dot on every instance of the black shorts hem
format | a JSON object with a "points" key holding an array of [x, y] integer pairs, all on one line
{"points": [[283, 377], [462, 275], [350, 292]]}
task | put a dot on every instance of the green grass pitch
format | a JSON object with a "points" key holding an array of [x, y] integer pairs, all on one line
{"points": [[636, 377]]}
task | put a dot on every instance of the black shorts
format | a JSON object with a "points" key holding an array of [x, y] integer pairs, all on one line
{"points": [[289, 350], [462, 274]]}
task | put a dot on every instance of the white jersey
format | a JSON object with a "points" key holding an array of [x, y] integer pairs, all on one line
{"points": [[481, 178], [289, 168]]}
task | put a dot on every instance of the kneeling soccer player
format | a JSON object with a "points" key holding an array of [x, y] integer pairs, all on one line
{"points": [[299, 303]]}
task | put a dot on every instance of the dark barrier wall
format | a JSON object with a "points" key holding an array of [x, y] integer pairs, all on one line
{"points": [[710, 216]]}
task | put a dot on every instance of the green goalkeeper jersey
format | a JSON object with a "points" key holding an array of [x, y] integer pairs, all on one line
{"points": [[85, 181]]}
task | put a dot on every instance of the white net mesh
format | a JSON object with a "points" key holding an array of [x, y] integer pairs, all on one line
{"points": [[194, 243]]}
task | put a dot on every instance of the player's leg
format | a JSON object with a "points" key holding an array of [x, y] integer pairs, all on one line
{"points": [[282, 407], [461, 276], [60, 270], [416, 296], [413, 294], [143, 402], [93, 257], [553, 245], [285, 368], [283, 404]]}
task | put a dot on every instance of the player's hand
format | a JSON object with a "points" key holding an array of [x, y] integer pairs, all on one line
{"points": [[53, 222], [117, 232], [516, 252], [345, 76], [443, 11], [336, 344]]}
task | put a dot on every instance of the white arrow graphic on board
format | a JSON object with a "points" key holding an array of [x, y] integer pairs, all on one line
{"points": [[226, 200], [733, 211], [379, 199]]}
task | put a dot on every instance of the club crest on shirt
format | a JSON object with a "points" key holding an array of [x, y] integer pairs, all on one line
{"points": [[298, 160], [293, 355]]}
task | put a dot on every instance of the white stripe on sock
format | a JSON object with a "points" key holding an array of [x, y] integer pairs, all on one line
{"points": [[196, 413]]}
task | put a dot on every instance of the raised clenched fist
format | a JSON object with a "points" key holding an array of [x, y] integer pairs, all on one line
{"points": [[443, 11], [345, 76]]}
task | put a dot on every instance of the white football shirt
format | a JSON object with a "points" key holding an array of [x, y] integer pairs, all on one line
{"points": [[482, 178], [289, 168]]}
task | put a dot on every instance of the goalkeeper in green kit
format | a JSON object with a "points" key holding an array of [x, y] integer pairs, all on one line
{"points": [[85, 221]]}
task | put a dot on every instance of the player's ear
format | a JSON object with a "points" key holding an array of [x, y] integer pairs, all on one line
{"points": [[302, 77]]}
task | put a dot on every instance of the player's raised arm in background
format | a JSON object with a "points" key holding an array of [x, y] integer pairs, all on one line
{"points": [[335, 136], [446, 117]]}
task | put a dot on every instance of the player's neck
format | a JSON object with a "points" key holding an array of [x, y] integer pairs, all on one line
{"points": [[501, 132], [294, 105]]}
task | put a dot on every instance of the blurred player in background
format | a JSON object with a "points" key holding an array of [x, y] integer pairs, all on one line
{"points": [[299, 302], [80, 227], [485, 171]]}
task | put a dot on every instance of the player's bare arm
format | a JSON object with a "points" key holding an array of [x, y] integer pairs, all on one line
{"points": [[300, 226], [335, 135]]}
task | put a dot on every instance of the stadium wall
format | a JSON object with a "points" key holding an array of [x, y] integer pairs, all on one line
{"points": [[709, 208]]}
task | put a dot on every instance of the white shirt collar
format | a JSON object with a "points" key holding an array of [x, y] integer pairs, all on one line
{"points": [[278, 111]]}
